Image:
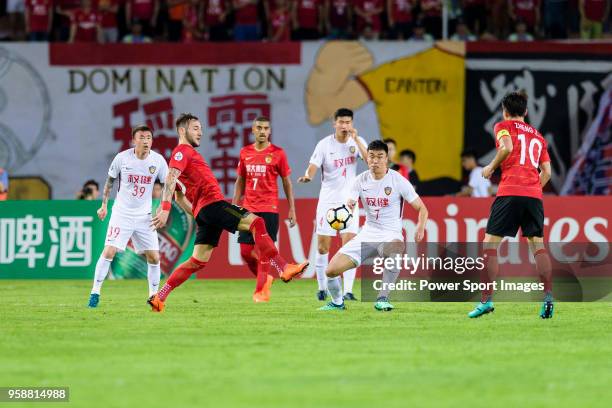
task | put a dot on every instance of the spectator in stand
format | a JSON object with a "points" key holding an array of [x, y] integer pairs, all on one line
{"points": [[399, 16], [475, 15], [555, 18], [307, 19], [85, 24], [145, 11], [109, 9], [368, 16], [462, 32], [246, 26], [498, 21], [4, 184], [526, 10], [215, 19], [136, 36], [176, 14], [158, 189], [593, 13], [407, 160], [191, 22], [64, 9], [280, 21], [419, 33], [339, 19], [477, 186], [520, 33], [90, 191], [431, 14], [15, 9], [38, 19]]}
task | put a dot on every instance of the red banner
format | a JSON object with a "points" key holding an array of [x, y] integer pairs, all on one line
{"points": [[568, 219]]}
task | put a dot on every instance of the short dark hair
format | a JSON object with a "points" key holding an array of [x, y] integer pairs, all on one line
{"points": [[91, 182], [261, 119], [467, 153], [141, 128], [515, 103], [184, 119], [409, 153], [390, 140], [158, 182], [378, 145], [343, 112]]}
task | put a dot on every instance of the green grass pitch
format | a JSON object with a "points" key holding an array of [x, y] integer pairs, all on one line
{"points": [[213, 347]]}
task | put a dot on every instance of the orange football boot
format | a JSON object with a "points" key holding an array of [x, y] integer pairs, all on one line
{"points": [[156, 304], [293, 270]]}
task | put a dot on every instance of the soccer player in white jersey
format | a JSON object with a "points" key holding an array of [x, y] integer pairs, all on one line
{"points": [[382, 192], [336, 155], [138, 168]]}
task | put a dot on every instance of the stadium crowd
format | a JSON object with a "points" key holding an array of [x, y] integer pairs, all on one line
{"points": [[138, 21]]}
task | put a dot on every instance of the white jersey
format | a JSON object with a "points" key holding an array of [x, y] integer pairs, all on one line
{"points": [[480, 185], [383, 199], [338, 163], [137, 179]]}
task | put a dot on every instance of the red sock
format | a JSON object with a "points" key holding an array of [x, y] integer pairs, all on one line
{"points": [[180, 275], [265, 245], [489, 273], [247, 252], [544, 268], [262, 275]]}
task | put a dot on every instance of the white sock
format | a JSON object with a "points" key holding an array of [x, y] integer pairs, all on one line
{"points": [[321, 262], [348, 278], [153, 274], [102, 267], [335, 290]]}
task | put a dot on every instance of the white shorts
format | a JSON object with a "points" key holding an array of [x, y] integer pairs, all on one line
{"points": [[121, 228], [352, 249], [15, 6], [323, 227]]}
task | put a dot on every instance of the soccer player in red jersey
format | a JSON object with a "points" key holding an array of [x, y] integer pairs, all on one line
{"points": [[202, 197], [521, 152], [259, 166]]}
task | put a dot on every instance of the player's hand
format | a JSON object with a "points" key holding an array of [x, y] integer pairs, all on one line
{"points": [[353, 133], [419, 234], [351, 204], [160, 219], [304, 179], [102, 213], [487, 172], [291, 217]]}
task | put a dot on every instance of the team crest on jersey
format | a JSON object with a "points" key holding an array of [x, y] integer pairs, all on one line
{"points": [[388, 190], [269, 159], [352, 149], [152, 169], [178, 156]]}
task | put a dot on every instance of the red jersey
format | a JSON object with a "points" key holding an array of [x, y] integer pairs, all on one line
{"points": [[308, 13], [86, 25], [339, 13], [109, 19], [401, 11], [520, 176], [142, 9], [212, 12], [595, 10], [246, 15], [280, 22], [368, 6], [526, 10], [39, 11], [435, 9], [260, 170], [201, 186]]}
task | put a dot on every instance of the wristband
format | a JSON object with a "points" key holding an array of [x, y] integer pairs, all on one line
{"points": [[166, 205]]}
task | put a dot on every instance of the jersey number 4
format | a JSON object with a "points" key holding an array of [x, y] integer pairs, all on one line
{"points": [[533, 157]]}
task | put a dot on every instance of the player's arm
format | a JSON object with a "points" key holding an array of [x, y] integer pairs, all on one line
{"points": [[288, 189], [182, 201], [160, 219], [108, 186], [310, 172], [504, 150], [354, 194], [238, 190], [419, 206], [545, 173]]}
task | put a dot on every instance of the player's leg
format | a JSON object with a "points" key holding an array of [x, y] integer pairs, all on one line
{"points": [[321, 262], [147, 241], [102, 268], [390, 275], [487, 275], [339, 264], [153, 271], [264, 278], [348, 277]]}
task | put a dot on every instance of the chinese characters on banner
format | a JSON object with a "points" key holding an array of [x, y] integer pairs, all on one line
{"points": [[230, 119]]}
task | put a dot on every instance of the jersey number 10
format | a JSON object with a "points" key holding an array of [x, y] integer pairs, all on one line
{"points": [[535, 159]]}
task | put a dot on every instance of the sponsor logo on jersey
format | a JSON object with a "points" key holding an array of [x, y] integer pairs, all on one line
{"points": [[152, 169], [388, 190], [352, 149], [178, 156]]}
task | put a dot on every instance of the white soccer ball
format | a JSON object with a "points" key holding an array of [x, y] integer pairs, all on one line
{"points": [[339, 218]]}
